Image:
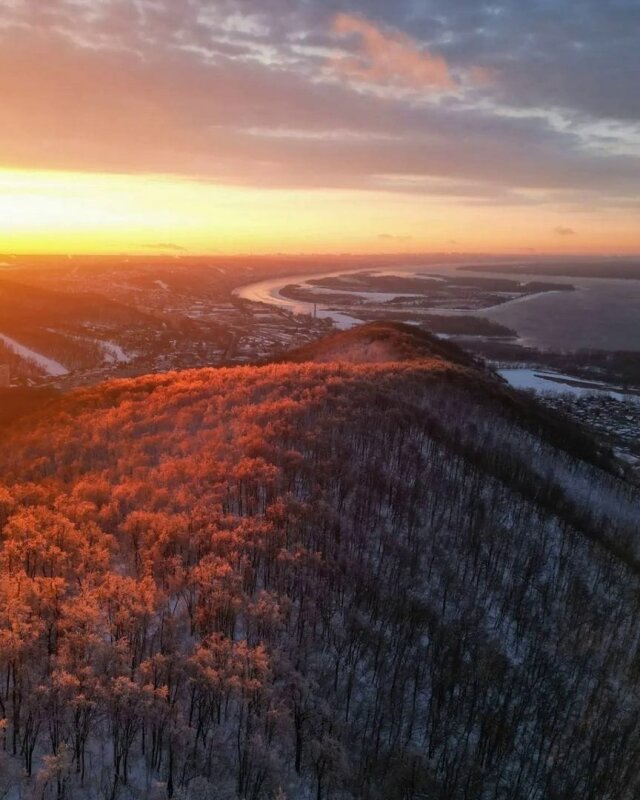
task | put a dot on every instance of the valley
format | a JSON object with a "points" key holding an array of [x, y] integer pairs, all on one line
{"points": [[64, 326]]}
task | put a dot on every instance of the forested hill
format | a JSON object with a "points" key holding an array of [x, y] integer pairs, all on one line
{"points": [[370, 571], [380, 342]]}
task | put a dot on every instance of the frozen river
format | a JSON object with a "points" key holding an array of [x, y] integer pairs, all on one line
{"points": [[540, 380], [268, 291], [601, 314]]}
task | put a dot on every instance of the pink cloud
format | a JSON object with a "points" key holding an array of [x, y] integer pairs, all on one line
{"points": [[481, 77], [389, 57]]}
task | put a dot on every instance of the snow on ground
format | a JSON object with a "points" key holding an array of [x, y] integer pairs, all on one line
{"points": [[51, 367], [115, 354], [547, 381], [521, 378]]}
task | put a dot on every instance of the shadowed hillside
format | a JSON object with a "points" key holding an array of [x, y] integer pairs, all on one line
{"points": [[394, 341], [367, 571]]}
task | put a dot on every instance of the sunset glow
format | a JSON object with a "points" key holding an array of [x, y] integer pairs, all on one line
{"points": [[319, 399], [210, 128], [82, 212]]}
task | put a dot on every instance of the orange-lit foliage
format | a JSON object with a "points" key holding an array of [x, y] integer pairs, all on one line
{"points": [[278, 574]]}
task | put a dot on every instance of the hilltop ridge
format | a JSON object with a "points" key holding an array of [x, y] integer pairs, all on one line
{"points": [[377, 342]]}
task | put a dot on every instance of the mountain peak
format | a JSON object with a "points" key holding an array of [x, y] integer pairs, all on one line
{"points": [[380, 342]]}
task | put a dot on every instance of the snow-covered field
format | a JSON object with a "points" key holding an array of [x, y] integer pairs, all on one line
{"points": [[51, 367], [548, 381]]}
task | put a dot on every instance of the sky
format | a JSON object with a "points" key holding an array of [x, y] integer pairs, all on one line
{"points": [[248, 126]]}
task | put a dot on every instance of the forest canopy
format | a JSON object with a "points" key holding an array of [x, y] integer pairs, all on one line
{"points": [[323, 579]]}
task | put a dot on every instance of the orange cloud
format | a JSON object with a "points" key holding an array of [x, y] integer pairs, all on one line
{"points": [[481, 76], [389, 57]]}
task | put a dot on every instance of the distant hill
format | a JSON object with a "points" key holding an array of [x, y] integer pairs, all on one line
{"points": [[22, 303], [370, 570], [625, 269]]}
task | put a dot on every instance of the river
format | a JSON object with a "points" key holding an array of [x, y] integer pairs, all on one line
{"points": [[601, 313]]}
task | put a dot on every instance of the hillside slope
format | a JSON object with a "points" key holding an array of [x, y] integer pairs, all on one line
{"points": [[342, 577]]}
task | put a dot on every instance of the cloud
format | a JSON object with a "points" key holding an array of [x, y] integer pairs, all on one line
{"points": [[173, 112], [176, 248], [547, 56], [239, 92], [389, 58], [562, 231]]}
